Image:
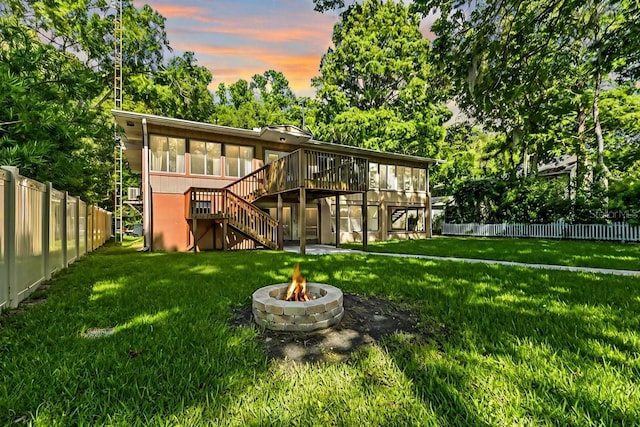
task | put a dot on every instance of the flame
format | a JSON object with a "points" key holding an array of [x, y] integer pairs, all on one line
{"points": [[297, 290]]}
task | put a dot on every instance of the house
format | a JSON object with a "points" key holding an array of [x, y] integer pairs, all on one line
{"points": [[206, 186], [565, 165]]}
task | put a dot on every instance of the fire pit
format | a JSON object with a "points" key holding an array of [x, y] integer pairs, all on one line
{"points": [[311, 306]]}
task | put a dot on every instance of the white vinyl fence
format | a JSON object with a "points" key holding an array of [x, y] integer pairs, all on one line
{"points": [[42, 230], [620, 232]]}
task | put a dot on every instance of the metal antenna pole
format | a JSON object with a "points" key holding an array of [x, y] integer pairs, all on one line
{"points": [[117, 101]]}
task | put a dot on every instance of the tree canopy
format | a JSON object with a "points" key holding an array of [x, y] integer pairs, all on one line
{"points": [[57, 58], [535, 79], [375, 86], [266, 100]]}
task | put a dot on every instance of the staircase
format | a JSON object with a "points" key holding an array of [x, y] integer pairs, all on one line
{"points": [[223, 205]]}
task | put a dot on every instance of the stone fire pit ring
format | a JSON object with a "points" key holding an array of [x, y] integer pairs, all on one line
{"points": [[271, 311]]}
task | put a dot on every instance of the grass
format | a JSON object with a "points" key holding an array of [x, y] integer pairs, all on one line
{"points": [[526, 347], [536, 251]]}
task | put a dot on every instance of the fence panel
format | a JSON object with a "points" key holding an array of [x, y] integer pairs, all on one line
{"points": [[30, 261], [4, 271], [620, 232], [56, 228], [41, 230], [82, 228], [72, 229], [90, 229]]}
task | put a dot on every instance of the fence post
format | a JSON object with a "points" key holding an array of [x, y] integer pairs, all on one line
{"points": [[65, 238], [87, 216], [10, 233], [77, 226], [46, 230]]}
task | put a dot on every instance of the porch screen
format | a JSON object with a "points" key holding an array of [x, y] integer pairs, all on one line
{"points": [[167, 154], [238, 160], [206, 158]]}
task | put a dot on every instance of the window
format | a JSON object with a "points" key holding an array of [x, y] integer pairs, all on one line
{"points": [[238, 160], [404, 178], [374, 176], [422, 180], [271, 156], [400, 177], [391, 177], [415, 179], [206, 158], [373, 213], [407, 219], [351, 218], [167, 154], [383, 177]]}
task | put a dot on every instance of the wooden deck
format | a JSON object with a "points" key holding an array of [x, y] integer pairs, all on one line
{"points": [[301, 174]]}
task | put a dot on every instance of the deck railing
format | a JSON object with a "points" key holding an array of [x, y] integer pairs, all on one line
{"points": [[320, 170], [278, 176], [205, 203], [221, 203], [330, 171], [252, 221], [250, 187]]}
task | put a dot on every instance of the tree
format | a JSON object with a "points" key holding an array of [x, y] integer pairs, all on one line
{"points": [[374, 88], [513, 63], [179, 89], [266, 100], [58, 61], [48, 129]]}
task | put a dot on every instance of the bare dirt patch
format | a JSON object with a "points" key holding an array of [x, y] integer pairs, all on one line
{"points": [[366, 321]]}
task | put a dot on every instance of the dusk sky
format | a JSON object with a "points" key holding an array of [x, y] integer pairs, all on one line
{"points": [[236, 39]]}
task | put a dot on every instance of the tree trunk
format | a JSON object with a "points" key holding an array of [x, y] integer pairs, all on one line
{"points": [[580, 144], [600, 172]]}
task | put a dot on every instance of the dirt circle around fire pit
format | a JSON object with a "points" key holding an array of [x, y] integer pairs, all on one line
{"points": [[324, 309], [367, 321]]}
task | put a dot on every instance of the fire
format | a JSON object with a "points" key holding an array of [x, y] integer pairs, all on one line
{"points": [[297, 290]]}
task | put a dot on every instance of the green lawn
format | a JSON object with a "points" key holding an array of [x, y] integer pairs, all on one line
{"points": [[562, 252], [526, 347]]}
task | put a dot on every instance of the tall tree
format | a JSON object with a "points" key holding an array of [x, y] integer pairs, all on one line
{"points": [[179, 89], [48, 129], [266, 100], [514, 63], [58, 62], [375, 86]]}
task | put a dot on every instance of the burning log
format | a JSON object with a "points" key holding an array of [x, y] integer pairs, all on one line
{"points": [[297, 290]]}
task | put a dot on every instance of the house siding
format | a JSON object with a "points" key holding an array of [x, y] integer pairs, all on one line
{"points": [[169, 226]]}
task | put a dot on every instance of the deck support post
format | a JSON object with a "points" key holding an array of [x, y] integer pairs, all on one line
{"points": [[365, 225], [302, 221], [280, 224], [337, 220], [195, 235], [215, 236], [224, 234]]}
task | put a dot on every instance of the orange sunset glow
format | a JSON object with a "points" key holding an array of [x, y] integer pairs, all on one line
{"points": [[237, 39]]}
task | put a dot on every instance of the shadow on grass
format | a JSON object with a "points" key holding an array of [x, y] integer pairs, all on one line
{"points": [[518, 338]]}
